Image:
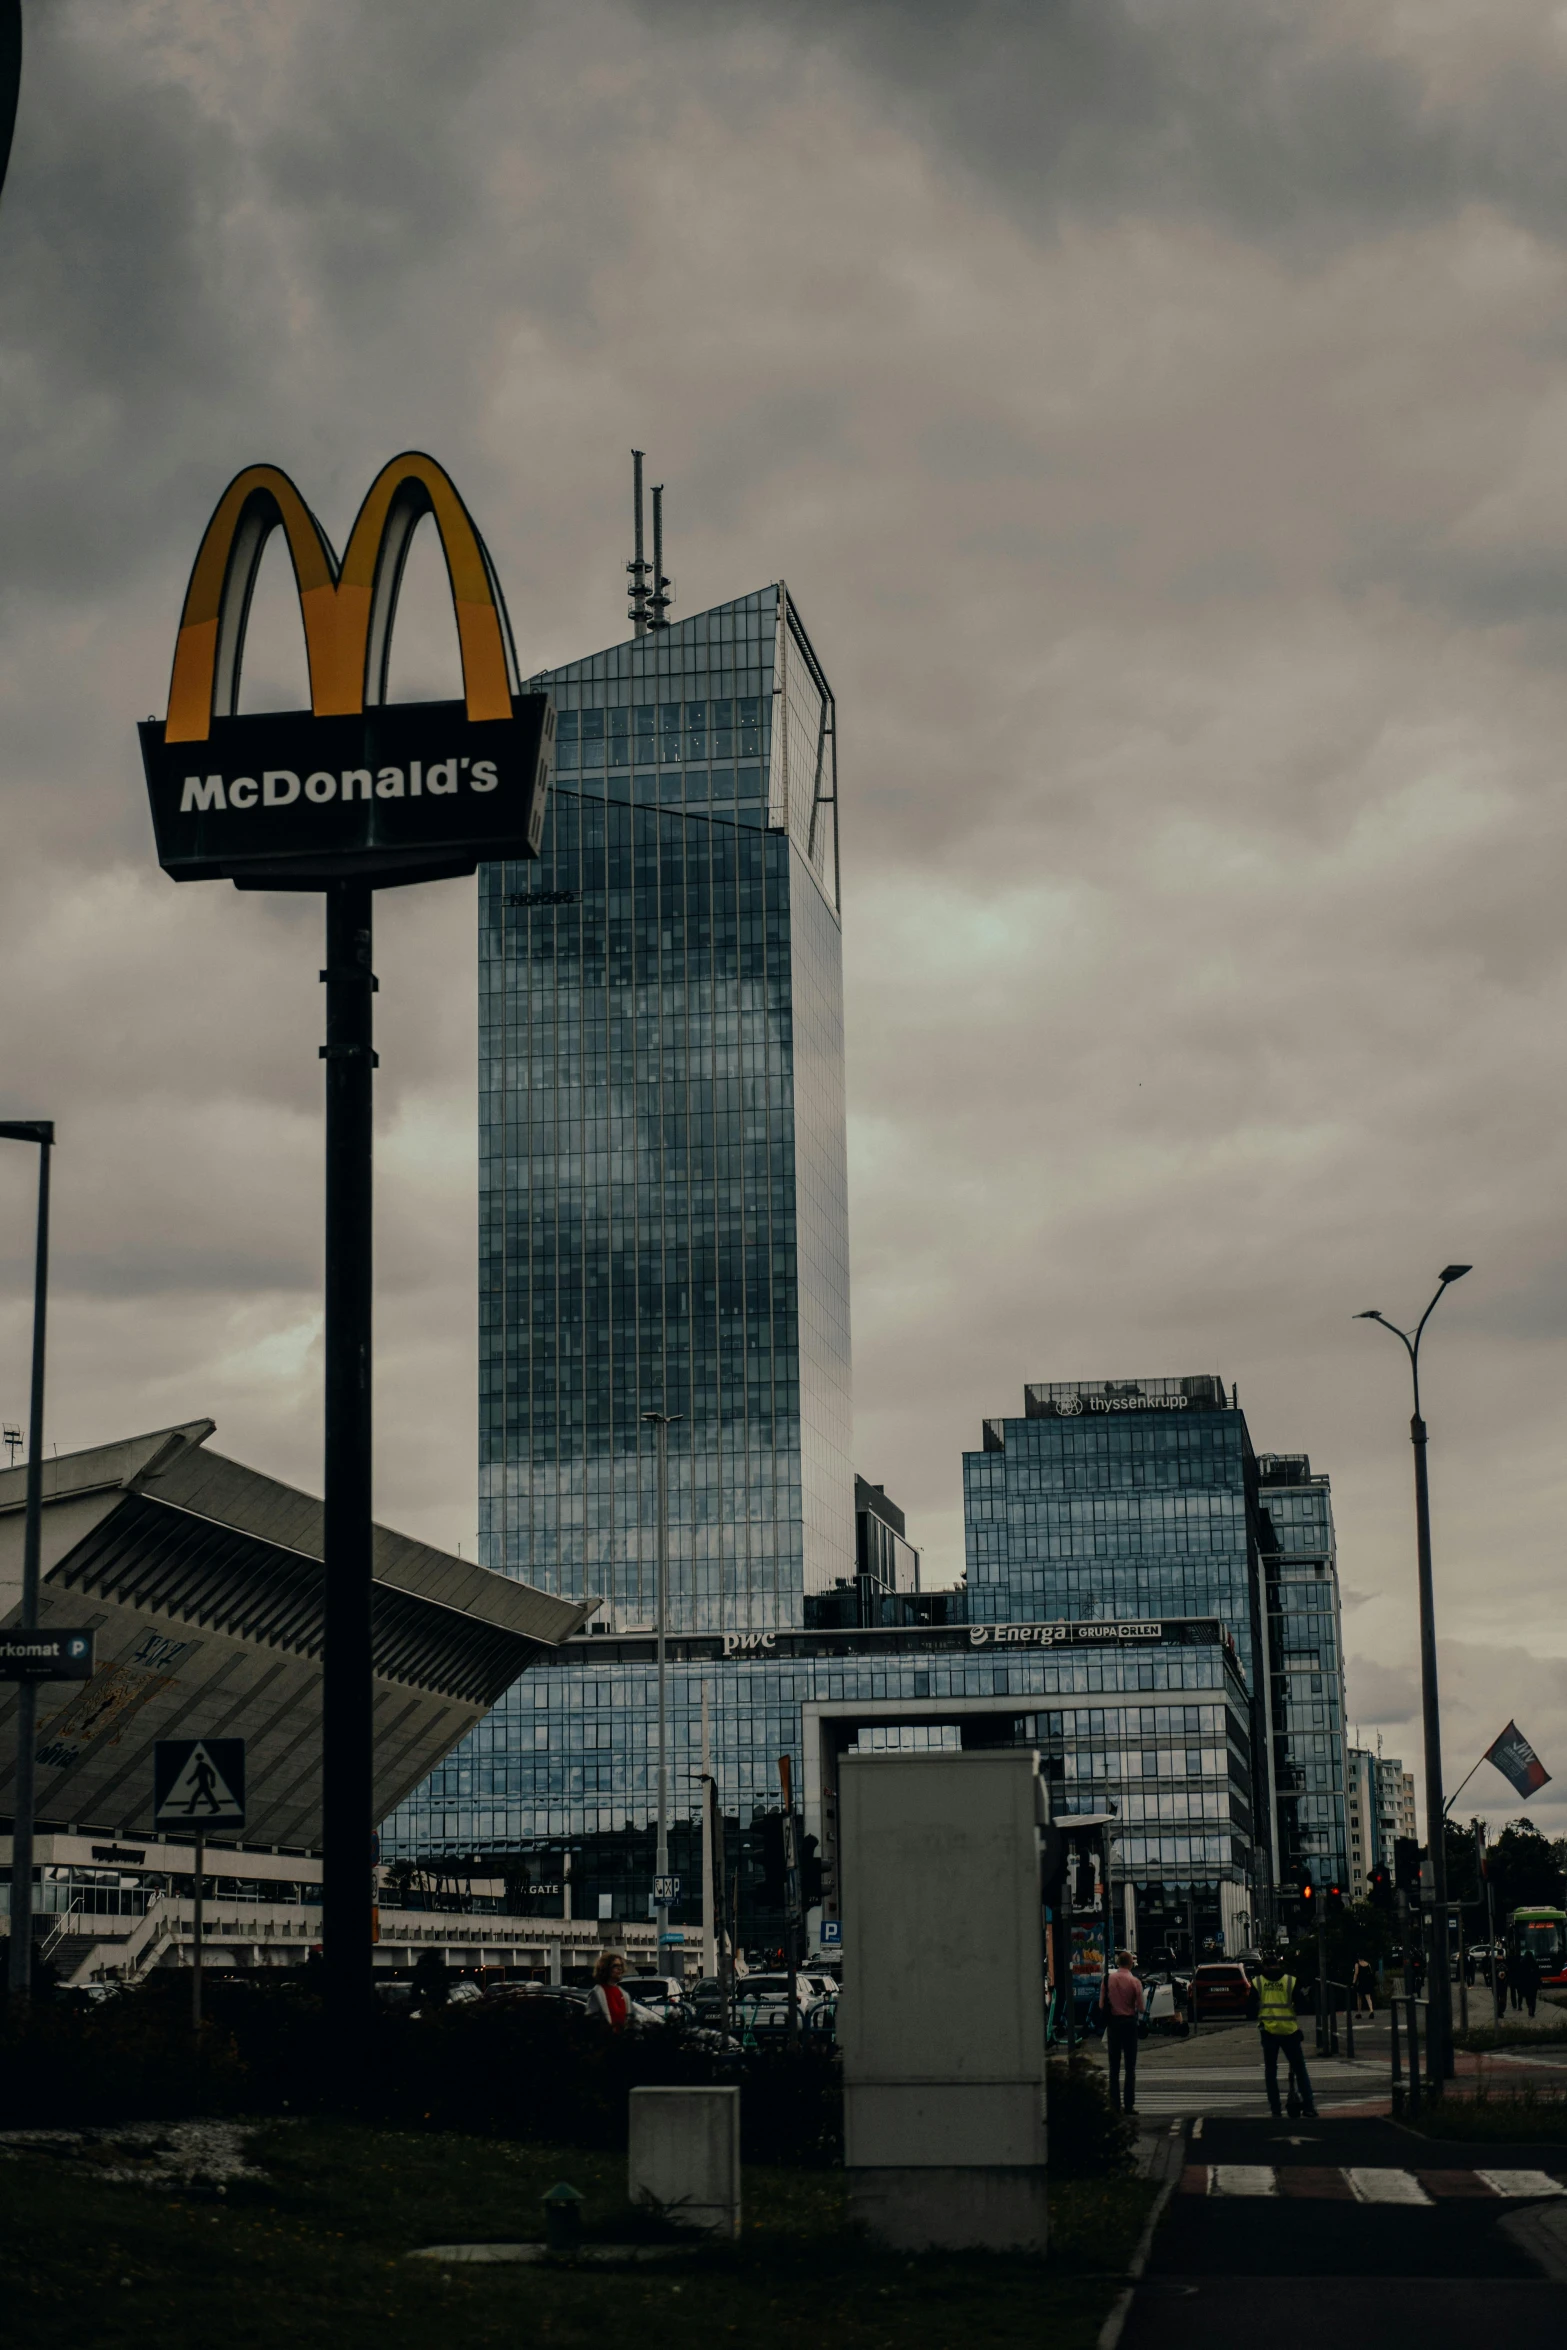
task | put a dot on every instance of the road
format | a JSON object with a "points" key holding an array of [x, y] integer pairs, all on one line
{"points": [[1356, 2230], [1219, 2070]]}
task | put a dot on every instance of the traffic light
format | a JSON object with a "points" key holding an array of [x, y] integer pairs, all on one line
{"points": [[1380, 1891], [1335, 1903], [810, 1872], [1308, 1898], [1406, 1863]]}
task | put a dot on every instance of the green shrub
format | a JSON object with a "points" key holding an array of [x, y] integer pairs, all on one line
{"points": [[524, 2069], [1088, 2138]]}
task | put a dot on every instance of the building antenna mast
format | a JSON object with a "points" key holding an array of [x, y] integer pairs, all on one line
{"points": [[663, 586], [638, 569]]}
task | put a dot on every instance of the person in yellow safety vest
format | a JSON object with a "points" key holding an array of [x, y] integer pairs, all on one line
{"points": [[1273, 2004]]}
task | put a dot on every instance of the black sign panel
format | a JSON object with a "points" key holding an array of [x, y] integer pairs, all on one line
{"points": [[198, 1784], [46, 1656], [406, 791]]}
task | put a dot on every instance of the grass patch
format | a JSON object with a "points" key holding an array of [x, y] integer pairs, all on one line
{"points": [[315, 2256], [1520, 2115]]}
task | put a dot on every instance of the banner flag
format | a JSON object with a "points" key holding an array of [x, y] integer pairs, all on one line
{"points": [[1517, 1761]]}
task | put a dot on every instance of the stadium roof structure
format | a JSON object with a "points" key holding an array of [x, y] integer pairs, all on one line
{"points": [[203, 1583]]}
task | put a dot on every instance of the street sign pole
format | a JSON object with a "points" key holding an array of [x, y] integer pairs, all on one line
{"points": [[195, 1980], [791, 1894], [347, 1789], [662, 1421], [20, 1970]]}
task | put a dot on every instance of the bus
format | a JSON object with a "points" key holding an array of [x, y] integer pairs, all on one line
{"points": [[1543, 1933]]}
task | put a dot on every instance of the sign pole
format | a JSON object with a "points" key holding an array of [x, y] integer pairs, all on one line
{"points": [[20, 1968], [195, 1981], [347, 1690]]}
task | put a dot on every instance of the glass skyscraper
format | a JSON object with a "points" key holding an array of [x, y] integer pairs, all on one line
{"points": [[1141, 1500], [663, 1184], [1306, 1662], [1132, 1502], [663, 1190], [1115, 1498]]}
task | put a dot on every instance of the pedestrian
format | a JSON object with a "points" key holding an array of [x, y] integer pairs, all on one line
{"points": [[607, 2003], [1525, 1972], [1121, 2003], [1362, 1980], [1499, 1963], [1515, 1978], [1272, 2003]]}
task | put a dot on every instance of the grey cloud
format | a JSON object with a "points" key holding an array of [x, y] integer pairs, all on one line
{"points": [[1202, 843], [1389, 1694], [1298, 127]]}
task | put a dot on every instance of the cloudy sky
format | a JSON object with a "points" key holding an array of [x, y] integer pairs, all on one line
{"points": [[1160, 413]]}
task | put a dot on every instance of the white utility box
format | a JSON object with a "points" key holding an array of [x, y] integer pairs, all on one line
{"points": [[943, 2067], [684, 2156]]}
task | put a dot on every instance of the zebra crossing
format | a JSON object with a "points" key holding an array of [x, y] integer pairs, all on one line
{"points": [[1366, 2183], [1166, 2091]]}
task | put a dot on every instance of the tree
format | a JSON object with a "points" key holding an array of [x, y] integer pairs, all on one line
{"points": [[1524, 1870], [430, 1979]]}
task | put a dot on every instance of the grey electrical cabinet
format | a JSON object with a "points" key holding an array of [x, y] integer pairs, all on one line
{"points": [[944, 2064]]}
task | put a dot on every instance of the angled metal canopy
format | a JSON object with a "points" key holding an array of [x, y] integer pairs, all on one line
{"points": [[203, 1583]]}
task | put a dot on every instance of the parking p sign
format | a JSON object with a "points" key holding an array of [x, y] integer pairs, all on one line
{"points": [[832, 1933]]}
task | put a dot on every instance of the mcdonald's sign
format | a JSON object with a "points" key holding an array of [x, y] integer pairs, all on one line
{"points": [[355, 787]]}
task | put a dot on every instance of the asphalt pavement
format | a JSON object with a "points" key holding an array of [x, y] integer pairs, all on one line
{"points": [[1218, 2069], [1355, 2229]]}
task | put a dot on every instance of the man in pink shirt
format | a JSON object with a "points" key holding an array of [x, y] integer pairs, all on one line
{"points": [[1121, 2003]]}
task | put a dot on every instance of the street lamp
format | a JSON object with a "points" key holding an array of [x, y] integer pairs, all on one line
{"points": [[663, 1422], [20, 1968], [1440, 2041]]}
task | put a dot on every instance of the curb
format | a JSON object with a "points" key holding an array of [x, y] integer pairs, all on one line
{"points": [[1121, 2308]]}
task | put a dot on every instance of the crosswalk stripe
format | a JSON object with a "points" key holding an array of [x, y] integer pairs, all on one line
{"points": [[1521, 2182], [1365, 2183], [1385, 2186]]}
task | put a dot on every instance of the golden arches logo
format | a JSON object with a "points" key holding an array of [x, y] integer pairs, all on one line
{"points": [[348, 608]]}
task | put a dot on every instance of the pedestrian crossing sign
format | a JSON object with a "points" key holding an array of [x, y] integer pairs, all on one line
{"points": [[198, 1784]]}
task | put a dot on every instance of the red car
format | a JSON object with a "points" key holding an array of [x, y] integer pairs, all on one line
{"points": [[1221, 1990]]}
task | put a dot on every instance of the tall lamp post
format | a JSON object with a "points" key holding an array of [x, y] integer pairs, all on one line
{"points": [[20, 1967], [1439, 2024], [663, 1422]]}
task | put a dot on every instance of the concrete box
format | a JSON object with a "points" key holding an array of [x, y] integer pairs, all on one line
{"points": [[685, 2156], [943, 2070]]}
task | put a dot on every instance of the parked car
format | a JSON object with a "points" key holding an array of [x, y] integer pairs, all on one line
{"points": [[776, 1987], [1220, 1989], [660, 1992], [1159, 2008]]}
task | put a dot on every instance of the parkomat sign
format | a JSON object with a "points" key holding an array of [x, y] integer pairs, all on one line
{"points": [[355, 787]]}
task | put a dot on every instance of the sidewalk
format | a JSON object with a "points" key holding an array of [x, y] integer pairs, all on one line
{"points": [[1218, 2070]]}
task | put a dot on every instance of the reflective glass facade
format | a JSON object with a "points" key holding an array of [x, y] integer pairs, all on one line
{"points": [[1118, 1499], [663, 1167], [569, 1765], [1306, 1657]]}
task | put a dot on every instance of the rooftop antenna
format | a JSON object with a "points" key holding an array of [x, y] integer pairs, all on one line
{"points": [[662, 596], [13, 1444], [638, 569]]}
